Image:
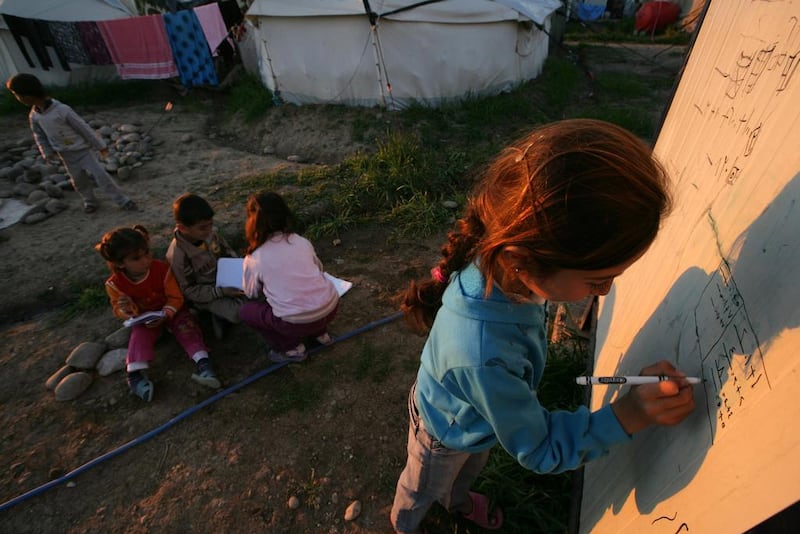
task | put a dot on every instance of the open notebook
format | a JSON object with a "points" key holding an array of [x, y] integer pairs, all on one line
{"points": [[229, 274]]}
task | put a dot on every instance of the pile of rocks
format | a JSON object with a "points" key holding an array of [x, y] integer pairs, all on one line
{"points": [[26, 176], [77, 373]]}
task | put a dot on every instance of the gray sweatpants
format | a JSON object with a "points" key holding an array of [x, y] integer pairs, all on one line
{"points": [[83, 163]]}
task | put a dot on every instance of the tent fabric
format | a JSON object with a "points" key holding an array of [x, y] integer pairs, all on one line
{"points": [[428, 55], [463, 11], [69, 10]]}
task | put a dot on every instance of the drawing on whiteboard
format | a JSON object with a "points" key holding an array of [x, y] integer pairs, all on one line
{"points": [[774, 62], [779, 56], [719, 324], [681, 527], [732, 362]]}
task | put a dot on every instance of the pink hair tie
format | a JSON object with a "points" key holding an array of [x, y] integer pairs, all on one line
{"points": [[436, 274]]}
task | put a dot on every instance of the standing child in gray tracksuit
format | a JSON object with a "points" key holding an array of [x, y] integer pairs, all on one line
{"points": [[60, 132]]}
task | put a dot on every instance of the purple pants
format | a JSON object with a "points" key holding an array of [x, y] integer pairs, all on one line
{"points": [[279, 334], [183, 326]]}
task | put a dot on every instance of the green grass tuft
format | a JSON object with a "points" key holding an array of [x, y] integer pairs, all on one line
{"points": [[250, 98], [373, 363], [89, 299], [292, 393]]}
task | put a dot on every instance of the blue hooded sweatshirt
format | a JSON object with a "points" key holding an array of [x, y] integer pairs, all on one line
{"points": [[477, 381]]}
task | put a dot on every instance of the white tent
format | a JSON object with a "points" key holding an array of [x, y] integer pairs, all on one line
{"points": [[11, 59], [327, 51]]}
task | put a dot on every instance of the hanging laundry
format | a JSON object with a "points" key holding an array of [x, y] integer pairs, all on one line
{"points": [[67, 38], [231, 13], [190, 48], [19, 28], [93, 43], [39, 37], [213, 25], [139, 47]]}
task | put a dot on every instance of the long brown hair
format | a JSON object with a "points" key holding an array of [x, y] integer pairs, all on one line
{"points": [[575, 194], [267, 214]]}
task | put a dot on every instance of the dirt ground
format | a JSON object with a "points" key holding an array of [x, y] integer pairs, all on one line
{"points": [[329, 431]]}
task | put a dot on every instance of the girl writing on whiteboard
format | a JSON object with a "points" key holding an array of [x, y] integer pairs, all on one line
{"points": [[139, 284], [557, 216], [293, 298]]}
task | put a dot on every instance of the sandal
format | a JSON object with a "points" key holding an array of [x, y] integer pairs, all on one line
{"points": [[481, 515], [89, 208]]}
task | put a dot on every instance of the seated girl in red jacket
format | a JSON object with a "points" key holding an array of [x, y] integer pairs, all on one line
{"points": [[140, 284]]}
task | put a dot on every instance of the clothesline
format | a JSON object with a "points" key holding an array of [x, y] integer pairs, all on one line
{"points": [[144, 47]]}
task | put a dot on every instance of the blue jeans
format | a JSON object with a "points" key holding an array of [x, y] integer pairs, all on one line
{"points": [[433, 473]]}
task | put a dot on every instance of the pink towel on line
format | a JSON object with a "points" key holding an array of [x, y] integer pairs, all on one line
{"points": [[213, 25], [139, 47]]}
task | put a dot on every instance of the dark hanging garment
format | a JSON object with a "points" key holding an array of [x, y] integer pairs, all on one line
{"points": [[43, 29], [68, 41], [231, 13], [94, 44], [21, 27]]}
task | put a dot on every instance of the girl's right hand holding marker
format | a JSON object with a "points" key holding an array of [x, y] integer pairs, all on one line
{"points": [[664, 403]]}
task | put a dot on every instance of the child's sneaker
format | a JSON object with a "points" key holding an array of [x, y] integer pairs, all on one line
{"points": [[325, 339], [297, 354], [205, 374], [129, 205], [140, 385]]}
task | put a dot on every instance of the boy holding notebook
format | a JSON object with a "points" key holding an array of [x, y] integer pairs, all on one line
{"points": [[193, 255]]}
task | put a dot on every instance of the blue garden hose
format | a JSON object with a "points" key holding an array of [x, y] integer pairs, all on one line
{"points": [[183, 415]]}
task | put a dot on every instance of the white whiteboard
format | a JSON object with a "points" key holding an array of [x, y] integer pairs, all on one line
{"points": [[718, 293]]}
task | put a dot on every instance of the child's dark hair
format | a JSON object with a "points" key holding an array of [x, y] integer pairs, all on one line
{"points": [[189, 209], [267, 214], [120, 243], [575, 194], [25, 84]]}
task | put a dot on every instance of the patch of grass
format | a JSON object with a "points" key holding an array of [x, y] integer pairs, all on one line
{"points": [[373, 363], [250, 98], [623, 84], [621, 31], [397, 185], [89, 299], [291, 393], [559, 82]]}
